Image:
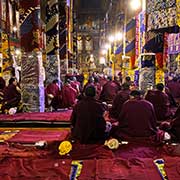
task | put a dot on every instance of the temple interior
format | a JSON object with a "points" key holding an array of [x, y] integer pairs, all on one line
{"points": [[89, 89]]}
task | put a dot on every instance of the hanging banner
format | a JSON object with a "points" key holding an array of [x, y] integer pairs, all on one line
{"points": [[156, 5], [162, 19], [178, 12]]}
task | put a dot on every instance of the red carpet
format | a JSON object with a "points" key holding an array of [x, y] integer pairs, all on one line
{"points": [[37, 116], [129, 162], [109, 169], [30, 136]]}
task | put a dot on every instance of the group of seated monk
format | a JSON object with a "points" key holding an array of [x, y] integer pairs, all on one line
{"points": [[132, 114], [63, 96]]}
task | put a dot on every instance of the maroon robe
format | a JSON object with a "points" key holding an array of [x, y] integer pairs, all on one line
{"points": [[137, 119], [98, 87], [174, 88], [176, 128], [118, 102], [160, 102], [103, 81], [12, 97], [69, 95], [109, 91], [53, 89], [170, 97], [87, 121], [176, 125], [76, 86]]}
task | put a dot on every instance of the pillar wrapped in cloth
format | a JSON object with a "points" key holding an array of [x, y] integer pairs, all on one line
{"points": [[147, 71], [32, 69], [32, 82]]}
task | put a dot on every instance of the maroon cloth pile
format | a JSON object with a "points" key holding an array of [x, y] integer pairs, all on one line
{"points": [[38, 116]]}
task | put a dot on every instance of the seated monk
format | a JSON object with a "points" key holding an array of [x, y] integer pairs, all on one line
{"points": [[98, 87], [2, 86], [12, 95], [137, 118], [172, 101], [109, 91], [53, 95], [75, 84], [122, 96], [174, 87], [69, 95], [88, 123], [160, 101], [175, 125]]}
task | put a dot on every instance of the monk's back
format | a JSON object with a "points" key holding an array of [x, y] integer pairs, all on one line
{"points": [[137, 118]]}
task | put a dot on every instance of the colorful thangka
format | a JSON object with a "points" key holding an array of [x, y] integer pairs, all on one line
{"points": [[156, 5], [161, 14], [162, 19]]}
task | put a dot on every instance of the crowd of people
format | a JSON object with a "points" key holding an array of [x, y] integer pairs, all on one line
{"points": [[105, 107], [132, 113]]}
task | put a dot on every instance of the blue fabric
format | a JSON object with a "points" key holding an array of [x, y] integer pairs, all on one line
{"points": [[119, 49], [130, 25], [130, 46]]}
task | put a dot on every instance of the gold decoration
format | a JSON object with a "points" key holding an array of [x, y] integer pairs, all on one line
{"points": [[65, 147]]}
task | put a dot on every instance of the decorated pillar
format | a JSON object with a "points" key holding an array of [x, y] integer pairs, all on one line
{"points": [[147, 71], [52, 41], [31, 64]]}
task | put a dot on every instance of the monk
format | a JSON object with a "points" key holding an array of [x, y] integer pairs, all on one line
{"points": [[69, 95], [175, 125], [12, 95], [122, 96], [76, 85], [109, 91], [98, 87], [88, 123], [2, 87], [160, 101], [53, 95], [89, 83], [137, 118], [174, 87]]}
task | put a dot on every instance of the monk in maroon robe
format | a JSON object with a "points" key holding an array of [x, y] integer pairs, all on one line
{"points": [[69, 95], [75, 84], [53, 91], [175, 125], [137, 118], [98, 87], [109, 91], [12, 95], [103, 80], [2, 87], [122, 96], [160, 101], [88, 124], [89, 83], [174, 87]]}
